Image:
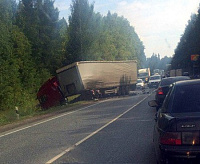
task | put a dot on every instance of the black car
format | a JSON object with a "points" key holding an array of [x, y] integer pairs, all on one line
{"points": [[163, 88], [177, 123]]}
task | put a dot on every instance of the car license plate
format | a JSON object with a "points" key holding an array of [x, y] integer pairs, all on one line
{"points": [[190, 138]]}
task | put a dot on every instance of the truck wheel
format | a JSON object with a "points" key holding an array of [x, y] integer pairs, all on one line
{"points": [[127, 90], [102, 91], [119, 92], [123, 90]]}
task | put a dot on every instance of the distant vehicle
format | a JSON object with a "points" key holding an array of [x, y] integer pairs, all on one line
{"points": [[159, 72], [140, 84], [163, 88], [185, 73], [162, 73], [176, 72], [144, 74], [172, 73], [154, 81], [177, 131], [156, 71]]}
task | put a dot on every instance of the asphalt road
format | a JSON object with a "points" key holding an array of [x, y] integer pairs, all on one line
{"points": [[117, 130]]}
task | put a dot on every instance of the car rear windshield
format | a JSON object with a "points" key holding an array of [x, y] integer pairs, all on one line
{"points": [[186, 99], [168, 81], [155, 77]]}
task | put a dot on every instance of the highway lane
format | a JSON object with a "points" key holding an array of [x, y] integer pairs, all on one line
{"points": [[127, 139]]}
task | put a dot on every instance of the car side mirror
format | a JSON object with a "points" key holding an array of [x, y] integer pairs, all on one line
{"points": [[153, 103]]}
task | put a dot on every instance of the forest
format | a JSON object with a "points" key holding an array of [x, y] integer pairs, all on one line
{"points": [[35, 42], [189, 45], [156, 62]]}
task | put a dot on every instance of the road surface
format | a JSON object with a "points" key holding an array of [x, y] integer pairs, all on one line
{"points": [[116, 130]]}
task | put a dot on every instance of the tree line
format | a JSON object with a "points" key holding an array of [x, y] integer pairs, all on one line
{"points": [[187, 46], [35, 42], [156, 62]]}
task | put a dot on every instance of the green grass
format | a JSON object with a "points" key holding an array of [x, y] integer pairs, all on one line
{"points": [[10, 116]]}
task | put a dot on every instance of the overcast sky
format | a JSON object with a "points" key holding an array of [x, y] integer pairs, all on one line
{"points": [[159, 23]]}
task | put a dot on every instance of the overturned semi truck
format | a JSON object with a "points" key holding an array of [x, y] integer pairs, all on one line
{"points": [[97, 78]]}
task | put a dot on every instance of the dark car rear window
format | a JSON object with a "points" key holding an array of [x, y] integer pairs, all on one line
{"points": [[169, 81], [166, 82], [155, 77], [186, 99]]}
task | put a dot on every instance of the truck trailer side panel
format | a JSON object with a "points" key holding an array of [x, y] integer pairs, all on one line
{"points": [[97, 75], [93, 75]]}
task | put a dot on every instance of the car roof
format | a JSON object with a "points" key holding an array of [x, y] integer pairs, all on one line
{"points": [[177, 77], [187, 82], [169, 80]]}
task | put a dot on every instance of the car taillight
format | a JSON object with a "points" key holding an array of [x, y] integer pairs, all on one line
{"points": [[160, 91], [171, 138]]}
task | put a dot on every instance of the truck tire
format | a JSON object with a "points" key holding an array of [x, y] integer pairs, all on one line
{"points": [[133, 87], [119, 92], [127, 90], [123, 90], [102, 91]]}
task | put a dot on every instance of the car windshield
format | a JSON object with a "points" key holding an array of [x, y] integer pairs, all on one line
{"points": [[186, 99], [155, 77], [142, 74]]}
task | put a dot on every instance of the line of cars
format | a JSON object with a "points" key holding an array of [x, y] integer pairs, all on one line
{"points": [[176, 135], [153, 82]]}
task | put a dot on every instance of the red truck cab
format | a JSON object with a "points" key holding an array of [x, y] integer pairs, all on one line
{"points": [[50, 94]]}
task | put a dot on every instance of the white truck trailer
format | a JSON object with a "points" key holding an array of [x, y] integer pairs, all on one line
{"points": [[86, 76], [175, 72]]}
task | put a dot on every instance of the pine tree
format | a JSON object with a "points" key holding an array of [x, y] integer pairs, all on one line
{"points": [[80, 31], [39, 19]]}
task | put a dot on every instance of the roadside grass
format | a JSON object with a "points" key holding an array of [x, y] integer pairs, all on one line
{"points": [[10, 116]]}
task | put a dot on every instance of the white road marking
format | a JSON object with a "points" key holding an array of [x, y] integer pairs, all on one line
{"points": [[142, 120], [50, 119], [68, 113], [92, 134]]}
